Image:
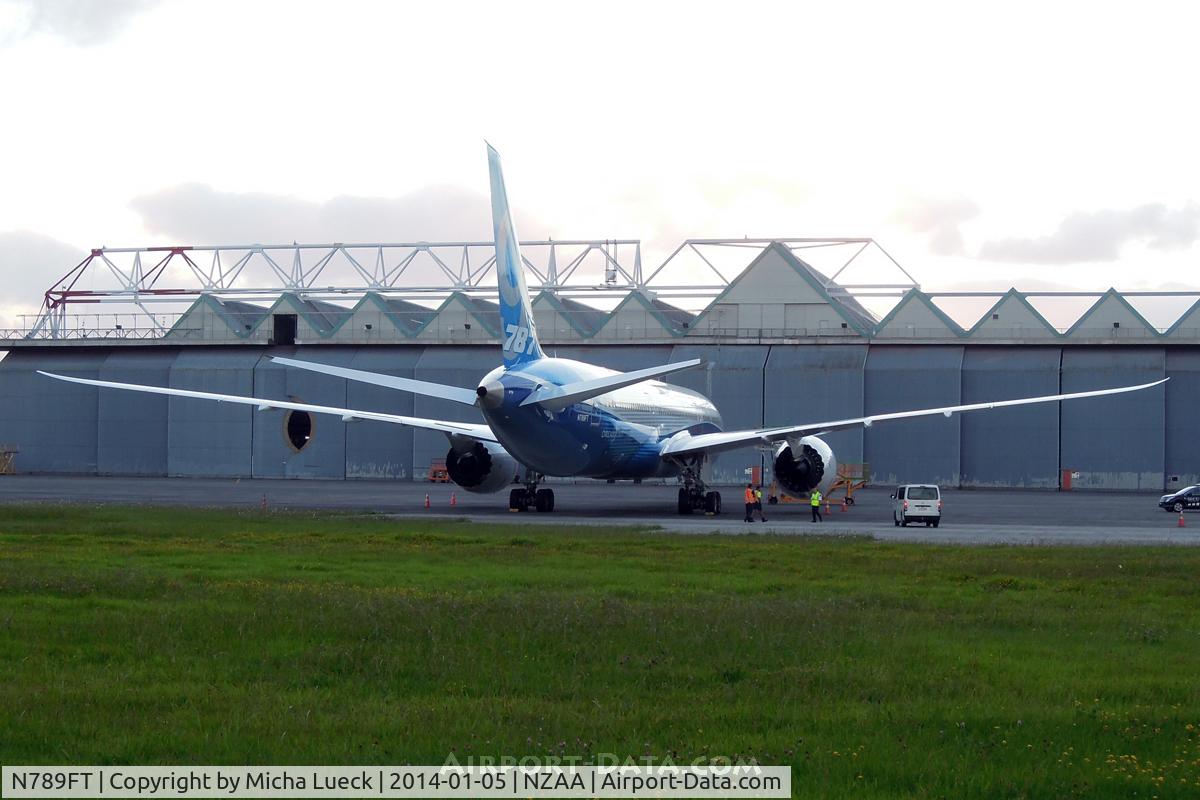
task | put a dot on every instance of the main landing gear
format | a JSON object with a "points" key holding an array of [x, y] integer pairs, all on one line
{"points": [[530, 496], [694, 495]]}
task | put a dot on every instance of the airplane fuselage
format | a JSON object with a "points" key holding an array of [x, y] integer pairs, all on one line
{"points": [[615, 435]]}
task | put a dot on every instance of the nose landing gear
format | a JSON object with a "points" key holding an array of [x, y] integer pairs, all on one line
{"points": [[530, 496]]}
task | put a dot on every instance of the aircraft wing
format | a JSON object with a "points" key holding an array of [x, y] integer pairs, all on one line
{"points": [[464, 429], [685, 444], [438, 390]]}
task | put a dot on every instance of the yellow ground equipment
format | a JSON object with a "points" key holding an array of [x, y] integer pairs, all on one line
{"points": [[850, 478], [438, 472]]}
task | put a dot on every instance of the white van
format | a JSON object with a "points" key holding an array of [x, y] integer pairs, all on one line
{"points": [[917, 502]]}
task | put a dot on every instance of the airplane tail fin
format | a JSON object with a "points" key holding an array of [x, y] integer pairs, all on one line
{"points": [[520, 344]]}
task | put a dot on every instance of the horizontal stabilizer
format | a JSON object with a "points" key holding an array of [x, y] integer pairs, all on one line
{"points": [[559, 397], [441, 391]]}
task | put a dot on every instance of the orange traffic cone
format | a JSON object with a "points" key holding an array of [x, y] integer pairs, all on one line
{"points": [[453, 499], [427, 501], [826, 505], [1182, 524]]}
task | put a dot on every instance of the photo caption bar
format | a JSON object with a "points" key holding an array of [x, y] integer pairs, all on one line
{"points": [[734, 780]]}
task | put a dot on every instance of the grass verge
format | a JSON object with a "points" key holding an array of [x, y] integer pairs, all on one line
{"points": [[181, 636]]}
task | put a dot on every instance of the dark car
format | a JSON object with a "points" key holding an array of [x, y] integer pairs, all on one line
{"points": [[1184, 498]]}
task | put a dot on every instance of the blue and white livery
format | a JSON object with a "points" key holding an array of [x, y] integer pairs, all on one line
{"points": [[554, 416], [520, 343]]}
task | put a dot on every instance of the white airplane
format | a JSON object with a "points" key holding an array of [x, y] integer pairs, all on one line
{"points": [[558, 417]]}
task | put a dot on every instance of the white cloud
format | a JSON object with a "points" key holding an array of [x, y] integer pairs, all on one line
{"points": [[643, 123], [1101, 235], [940, 218], [198, 214], [31, 262], [79, 22]]}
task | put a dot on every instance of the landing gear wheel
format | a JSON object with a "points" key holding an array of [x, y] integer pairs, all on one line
{"points": [[530, 496], [935, 522], [693, 494], [685, 501], [896, 522], [849, 500], [903, 521]]}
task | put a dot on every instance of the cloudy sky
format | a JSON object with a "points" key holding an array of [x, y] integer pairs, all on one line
{"points": [[1046, 145]]}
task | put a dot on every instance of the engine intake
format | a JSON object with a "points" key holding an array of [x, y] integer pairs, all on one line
{"points": [[482, 468], [803, 466]]}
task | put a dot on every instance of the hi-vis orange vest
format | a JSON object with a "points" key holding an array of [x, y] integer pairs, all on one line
{"points": [[749, 495]]}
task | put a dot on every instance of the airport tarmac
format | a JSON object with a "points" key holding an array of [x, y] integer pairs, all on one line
{"points": [[969, 516]]}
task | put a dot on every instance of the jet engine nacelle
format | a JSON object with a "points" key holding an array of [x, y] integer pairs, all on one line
{"points": [[483, 468], [804, 465]]}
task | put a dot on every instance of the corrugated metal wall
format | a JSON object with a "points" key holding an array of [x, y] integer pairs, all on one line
{"points": [[1126, 442], [1182, 446], [381, 451], [206, 438], [53, 423], [1130, 453], [818, 384], [923, 450], [1010, 446], [132, 432]]}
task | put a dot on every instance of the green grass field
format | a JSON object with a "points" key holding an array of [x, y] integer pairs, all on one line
{"points": [[212, 637]]}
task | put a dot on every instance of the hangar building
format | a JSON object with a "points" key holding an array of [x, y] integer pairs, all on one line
{"points": [[783, 343]]}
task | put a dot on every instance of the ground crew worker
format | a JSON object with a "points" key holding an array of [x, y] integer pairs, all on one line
{"points": [[815, 502], [758, 504], [749, 502]]}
